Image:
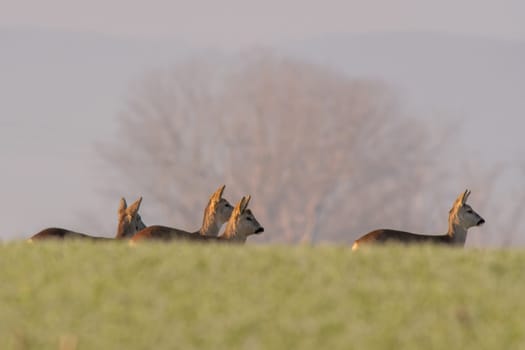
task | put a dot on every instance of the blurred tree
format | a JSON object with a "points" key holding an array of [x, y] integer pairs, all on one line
{"points": [[325, 157]]}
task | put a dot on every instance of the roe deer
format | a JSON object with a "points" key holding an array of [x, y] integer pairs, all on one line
{"points": [[129, 223], [242, 224], [216, 213], [461, 218]]}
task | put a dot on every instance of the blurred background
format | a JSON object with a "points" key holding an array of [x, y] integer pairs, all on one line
{"points": [[338, 117]]}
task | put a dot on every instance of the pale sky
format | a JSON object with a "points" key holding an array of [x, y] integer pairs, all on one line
{"points": [[58, 102], [231, 23]]}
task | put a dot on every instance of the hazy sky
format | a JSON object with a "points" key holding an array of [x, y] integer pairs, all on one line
{"points": [[230, 23], [58, 99]]}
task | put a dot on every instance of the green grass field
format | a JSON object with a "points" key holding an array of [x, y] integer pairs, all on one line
{"points": [[180, 296]]}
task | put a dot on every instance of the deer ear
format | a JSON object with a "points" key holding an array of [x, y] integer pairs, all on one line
{"points": [[134, 208], [238, 209], [216, 196], [466, 194], [458, 202], [221, 191], [245, 204], [122, 206]]}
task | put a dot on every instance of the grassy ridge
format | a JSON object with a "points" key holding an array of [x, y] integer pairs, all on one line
{"points": [[179, 296]]}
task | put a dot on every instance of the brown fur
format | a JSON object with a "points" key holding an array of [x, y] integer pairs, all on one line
{"points": [[461, 217], [210, 218], [388, 235], [216, 212], [242, 223], [60, 233], [129, 222], [163, 233]]}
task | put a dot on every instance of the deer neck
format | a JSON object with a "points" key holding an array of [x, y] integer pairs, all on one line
{"points": [[456, 232], [231, 234], [209, 228], [210, 225]]}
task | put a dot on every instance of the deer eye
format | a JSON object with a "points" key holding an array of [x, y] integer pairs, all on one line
{"points": [[469, 211], [249, 218]]}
